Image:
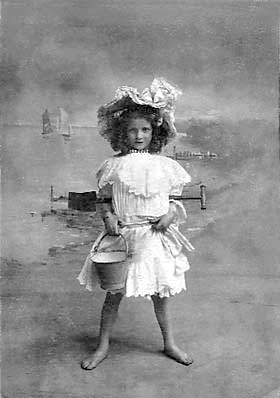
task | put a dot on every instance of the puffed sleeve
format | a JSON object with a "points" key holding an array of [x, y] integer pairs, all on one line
{"points": [[104, 172], [177, 175], [105, 179]]}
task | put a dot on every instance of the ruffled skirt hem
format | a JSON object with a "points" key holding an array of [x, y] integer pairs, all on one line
{"points": [[135, 286], [165, 291], [154, 265]]}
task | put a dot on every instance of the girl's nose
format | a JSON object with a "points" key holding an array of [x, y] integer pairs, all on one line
{"points": [[139, 133]]}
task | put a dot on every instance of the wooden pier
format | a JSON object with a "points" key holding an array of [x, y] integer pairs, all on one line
{"points": [[188, 155]]}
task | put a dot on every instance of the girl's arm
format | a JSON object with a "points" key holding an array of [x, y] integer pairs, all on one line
{"points": [[167, 218], [106, 211], [104, 207]]}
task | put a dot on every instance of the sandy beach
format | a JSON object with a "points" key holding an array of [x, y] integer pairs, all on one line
{"points": [[228, 319]]}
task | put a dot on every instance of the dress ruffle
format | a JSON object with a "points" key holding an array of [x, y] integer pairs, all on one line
{"points": [[159, 174], [156, 262]]}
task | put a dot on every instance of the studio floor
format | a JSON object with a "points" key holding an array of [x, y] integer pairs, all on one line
{"points": [[228, 320]]}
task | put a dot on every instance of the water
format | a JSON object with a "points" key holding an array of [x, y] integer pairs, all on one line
{"points": [[31, 164]]}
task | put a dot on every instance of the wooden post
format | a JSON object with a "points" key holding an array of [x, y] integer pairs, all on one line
{"points": [[203, 197], [51, 197]]}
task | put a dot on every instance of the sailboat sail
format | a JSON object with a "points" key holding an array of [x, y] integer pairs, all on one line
{"points": [[47, 127], [57, 123], [64, 127], [70, 129]]}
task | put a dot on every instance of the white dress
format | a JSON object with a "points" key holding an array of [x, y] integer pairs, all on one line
{"points": [[141, 184]]}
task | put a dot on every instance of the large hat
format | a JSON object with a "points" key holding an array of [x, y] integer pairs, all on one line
{"points": [[161, 95]]}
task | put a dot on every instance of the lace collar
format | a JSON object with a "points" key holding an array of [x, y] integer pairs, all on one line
{"points": [[146, 175]]}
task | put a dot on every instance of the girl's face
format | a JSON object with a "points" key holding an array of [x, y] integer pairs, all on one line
{"points": [[139, 133]]}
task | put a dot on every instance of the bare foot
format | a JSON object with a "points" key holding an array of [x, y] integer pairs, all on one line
{"points": [[179, 355], [94, 360]]}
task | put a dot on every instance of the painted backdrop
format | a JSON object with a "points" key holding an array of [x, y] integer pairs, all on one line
{"points": [[73, 55]]}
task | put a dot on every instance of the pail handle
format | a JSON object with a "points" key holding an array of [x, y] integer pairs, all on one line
{"points": [[125, 242]]}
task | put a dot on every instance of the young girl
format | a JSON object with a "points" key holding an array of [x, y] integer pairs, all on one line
{"points": [[135, 188]]}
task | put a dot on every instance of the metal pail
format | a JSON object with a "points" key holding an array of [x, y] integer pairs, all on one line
{"points": [[111, 266]]}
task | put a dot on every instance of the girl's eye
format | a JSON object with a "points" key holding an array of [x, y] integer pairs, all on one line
{"points": [[146, 129]]}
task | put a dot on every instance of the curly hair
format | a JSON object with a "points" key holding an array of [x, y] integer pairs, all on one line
{"points": [[113, 127]]}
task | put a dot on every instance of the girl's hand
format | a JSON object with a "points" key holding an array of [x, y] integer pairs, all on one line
{"points": [[164, 222], [111, 223]]}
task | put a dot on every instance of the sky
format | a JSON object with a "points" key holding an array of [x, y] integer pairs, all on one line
{"points": [[74, 54]]}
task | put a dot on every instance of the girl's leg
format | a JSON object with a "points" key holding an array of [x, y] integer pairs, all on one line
{"points": [[108, 317], [170, 347]]}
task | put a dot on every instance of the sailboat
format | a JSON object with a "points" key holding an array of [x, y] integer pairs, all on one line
{"points": [[63, 126], [47, 127]]}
